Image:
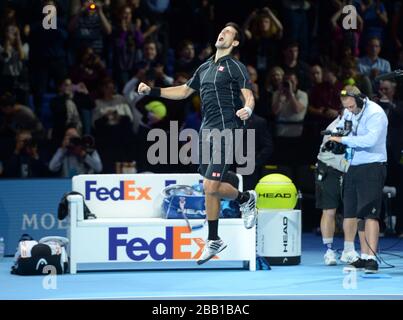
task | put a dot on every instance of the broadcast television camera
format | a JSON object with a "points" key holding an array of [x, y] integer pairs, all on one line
{"points": [[333, 146]]}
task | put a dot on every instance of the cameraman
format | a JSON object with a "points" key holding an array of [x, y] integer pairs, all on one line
{"points": [[364, 180], [25, 161], [75, 156], [330, 169]]}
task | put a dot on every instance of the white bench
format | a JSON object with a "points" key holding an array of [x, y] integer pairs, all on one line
{"points": [[130, 233]]}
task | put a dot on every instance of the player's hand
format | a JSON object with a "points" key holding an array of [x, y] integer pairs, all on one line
{"points": [[143, 88], [243, 114]]}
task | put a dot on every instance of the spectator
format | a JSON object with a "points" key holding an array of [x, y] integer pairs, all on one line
{"points": [[372, 65], [133, 97], [386, 97], [187, 61], [324, 96], [48, 57], [151, 60], [397, 24], [263, 30], [128, 41], [292, 64], [25, 161], [76, 155], [110, 105], [296, 23], [183, 110], [342, 37], [254, 79], [351, 76], [324, 105], [14, 74], [273, 80], [113, 127], [289, 108], [18, 117], [89, 26], [375, 19], [89, 69], [69, 108], [142, 20], [289, 105], [203, 21], [157, 11], [345, 55]]}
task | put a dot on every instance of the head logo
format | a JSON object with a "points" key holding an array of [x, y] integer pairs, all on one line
{"points": [[275, 195], [138, 249], [125, 191]]}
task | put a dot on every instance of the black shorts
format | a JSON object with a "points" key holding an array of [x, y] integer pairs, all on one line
{"points": [[328, 187], [218, 156], [363, 190]]}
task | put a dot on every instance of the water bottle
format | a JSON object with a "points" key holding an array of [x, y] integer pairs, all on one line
{"points": [[2, 248]]}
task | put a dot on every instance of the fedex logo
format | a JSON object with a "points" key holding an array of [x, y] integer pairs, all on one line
{"points": [[169, 247], [125, 191]]}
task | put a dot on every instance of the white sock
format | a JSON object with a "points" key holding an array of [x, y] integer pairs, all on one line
{"points": [[349, 246], [328, 242], [370, 257], [364, 256]]}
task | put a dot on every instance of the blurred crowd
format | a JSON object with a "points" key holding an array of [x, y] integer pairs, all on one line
{"points": [[68, 100]]}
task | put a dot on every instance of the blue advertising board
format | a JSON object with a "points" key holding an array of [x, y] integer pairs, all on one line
{"points": [[30, 206]]}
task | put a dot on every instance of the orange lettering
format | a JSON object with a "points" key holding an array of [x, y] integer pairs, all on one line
{"points": [[143, 193], [179, 242], [129, 189]]}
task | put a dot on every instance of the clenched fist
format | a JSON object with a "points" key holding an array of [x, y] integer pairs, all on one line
{"points": [[143, 88], [244, 113]]}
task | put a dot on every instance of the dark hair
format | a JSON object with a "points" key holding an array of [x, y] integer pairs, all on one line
{"points": [[332, 67], [150, 41], [290, 43], [239, 34], [183, 44], [374, 38], [7, 99], [106, 81], [290, 74], [61, 81]]}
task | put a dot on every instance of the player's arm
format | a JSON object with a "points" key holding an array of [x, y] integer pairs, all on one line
{"points": [[249, 104], [173, 93]]}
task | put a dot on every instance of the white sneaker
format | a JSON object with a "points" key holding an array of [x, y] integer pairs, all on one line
{"points": [[349, 256], [330, 258], [211, 248], [248, 210]]}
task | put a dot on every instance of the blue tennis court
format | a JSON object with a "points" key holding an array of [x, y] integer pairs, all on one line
{"points": [[309, 280]]}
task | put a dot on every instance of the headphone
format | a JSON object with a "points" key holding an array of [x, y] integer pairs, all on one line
{"points": [[359, 98]]}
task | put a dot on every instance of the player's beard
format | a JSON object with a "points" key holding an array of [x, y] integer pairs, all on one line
{"points": [[222, 45]]}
